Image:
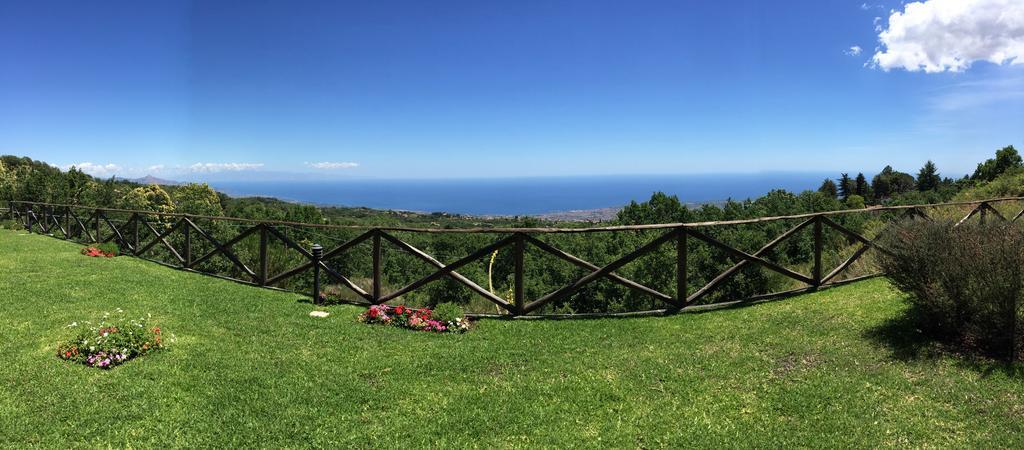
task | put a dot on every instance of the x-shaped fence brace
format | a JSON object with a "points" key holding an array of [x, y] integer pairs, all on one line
{"points": [[65, 219]]}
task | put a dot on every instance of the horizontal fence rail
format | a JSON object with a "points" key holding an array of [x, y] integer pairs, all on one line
{"points": [[273, 254]]}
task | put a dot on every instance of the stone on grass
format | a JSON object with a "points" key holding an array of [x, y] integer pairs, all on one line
{"points": [[319, 314]]}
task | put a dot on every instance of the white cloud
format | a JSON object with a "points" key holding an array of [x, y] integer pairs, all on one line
{"points": [[222, 167], [333, 165], [853, 51], [940, 35], [96, 170]]}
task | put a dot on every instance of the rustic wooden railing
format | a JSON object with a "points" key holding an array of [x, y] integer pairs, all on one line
{"points": [[144, 231]]}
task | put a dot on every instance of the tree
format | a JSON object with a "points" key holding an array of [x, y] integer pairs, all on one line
{"points": [[661, 208], [79, 188], [889, 183], [8, 180], [855, 202], [846, 186], [928, 178], [197, 199], [1006, 159], [861, 187], [828, 187], [147, 198]]}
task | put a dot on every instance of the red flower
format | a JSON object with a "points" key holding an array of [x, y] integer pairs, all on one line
{"points": [[400, 310], [373, 313]]}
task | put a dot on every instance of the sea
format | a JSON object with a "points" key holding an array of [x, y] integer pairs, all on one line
{"points": [[522, 196]]}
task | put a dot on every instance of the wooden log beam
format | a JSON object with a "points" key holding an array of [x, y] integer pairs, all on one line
{"points": [[854, 235], [162, 238], [454, 275], [328, 255], [728, 273], [747, 256], [602, 272], [846, 264], [444, 270], [224, 249], [593, 267]]}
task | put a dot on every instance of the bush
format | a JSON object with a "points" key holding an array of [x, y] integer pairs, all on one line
{"points": [[109, 247], [448, 312], [10, 225], [110, 342], [964, 283]]}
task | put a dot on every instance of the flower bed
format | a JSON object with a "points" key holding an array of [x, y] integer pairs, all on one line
{"points": [[419, 319], [111, 342], [105, 250]]}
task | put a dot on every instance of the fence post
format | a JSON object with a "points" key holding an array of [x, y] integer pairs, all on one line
{"points": [[67, 223], [376, 266], [318, 254], [983, 209], [188, 242], [1013, 332], [29, 216], [817, 251], [99, 237], [520, 250], [264, 264], [135, 232], [681, 256]]}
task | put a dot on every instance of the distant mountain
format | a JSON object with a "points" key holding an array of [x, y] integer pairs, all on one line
{"points": [[149, 179]]}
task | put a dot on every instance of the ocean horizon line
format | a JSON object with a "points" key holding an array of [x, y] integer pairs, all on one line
{"points": [[523, 196]]}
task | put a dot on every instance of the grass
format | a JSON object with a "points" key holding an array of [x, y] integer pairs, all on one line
{"points": [[250, 368]]}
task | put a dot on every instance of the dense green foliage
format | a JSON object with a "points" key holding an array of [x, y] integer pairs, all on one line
{"points": [[448, 312], [108, 247], [544, 273], [890, 183], [964, 283], [251, 369], [1006, 159]]}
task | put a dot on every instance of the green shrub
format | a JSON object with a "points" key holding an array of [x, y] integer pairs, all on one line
{"points": [[109, 247], [447, 312], [10, 225], [964, 283]]}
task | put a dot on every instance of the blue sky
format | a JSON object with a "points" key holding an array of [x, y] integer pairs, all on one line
{"points": [[414, 89]]}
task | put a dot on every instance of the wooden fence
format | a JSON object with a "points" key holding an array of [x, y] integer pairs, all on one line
{"points": [[138, 233]]}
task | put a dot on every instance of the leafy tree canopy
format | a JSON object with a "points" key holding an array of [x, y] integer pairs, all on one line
{"points": [[1006, 159], [199, 199], [928, 178]]}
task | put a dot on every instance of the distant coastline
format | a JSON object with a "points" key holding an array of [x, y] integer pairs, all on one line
{"points": [[558, 198]]}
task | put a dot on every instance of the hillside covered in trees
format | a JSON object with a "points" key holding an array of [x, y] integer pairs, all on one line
{"points": [[1002, 175], [25, 179]]}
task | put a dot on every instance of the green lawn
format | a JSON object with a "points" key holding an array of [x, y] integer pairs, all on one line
{"points": [[251, 368]]}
